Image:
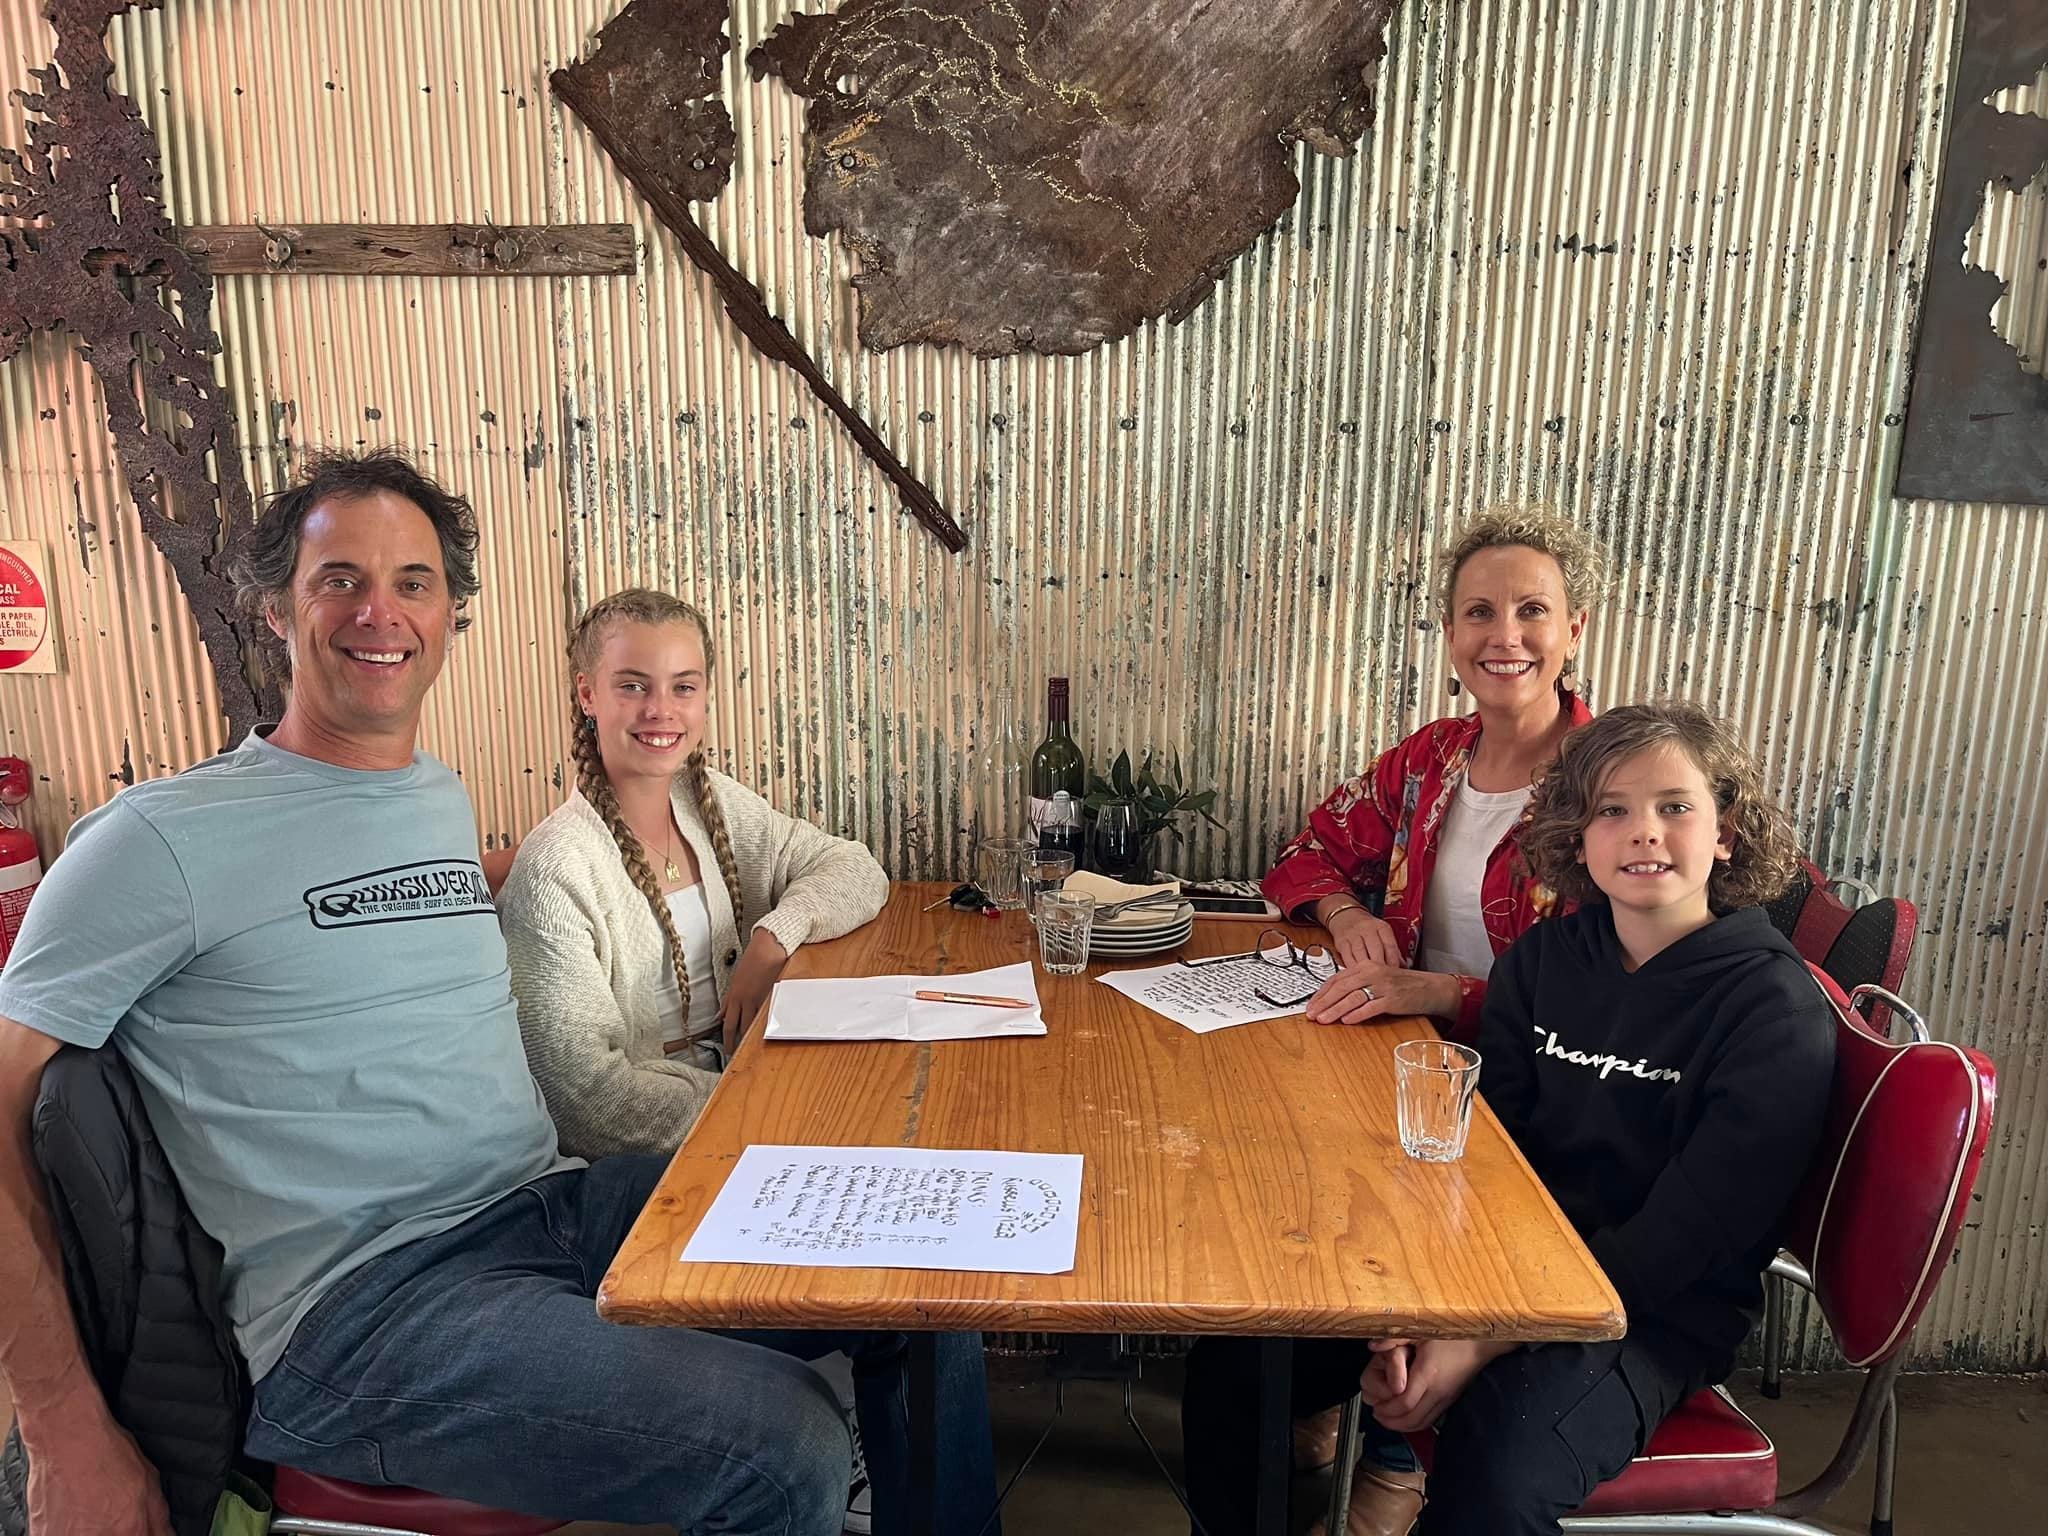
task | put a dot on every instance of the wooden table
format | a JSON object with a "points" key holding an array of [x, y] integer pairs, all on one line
{"points": [[1247, 1182]]}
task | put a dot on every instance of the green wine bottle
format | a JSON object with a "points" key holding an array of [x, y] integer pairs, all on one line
{"points": [[1059, 777]]}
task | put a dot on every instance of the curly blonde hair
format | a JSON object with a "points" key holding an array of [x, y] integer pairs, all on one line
{"points": [[642, 605], [1765, 856], [1578, 557]]}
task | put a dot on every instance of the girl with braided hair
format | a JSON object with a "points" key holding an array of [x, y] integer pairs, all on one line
{"points": [[647, 918], [645, 921]]}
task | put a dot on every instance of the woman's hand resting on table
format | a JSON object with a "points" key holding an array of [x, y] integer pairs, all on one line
{"points": [[752, 979], [1358, 937], [1361, 992]]}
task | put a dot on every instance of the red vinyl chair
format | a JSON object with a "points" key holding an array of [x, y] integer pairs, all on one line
{"points": [[309, 1505], [1865, 945], [1856, 953], [1872, 1228]]}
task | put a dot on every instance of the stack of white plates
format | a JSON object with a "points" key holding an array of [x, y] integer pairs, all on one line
{"points": [[1142, 931]]}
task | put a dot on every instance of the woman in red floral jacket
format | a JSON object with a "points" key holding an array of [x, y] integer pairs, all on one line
{"points": [[1415, 866]]}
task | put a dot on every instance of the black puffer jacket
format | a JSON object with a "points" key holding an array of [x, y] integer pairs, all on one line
{"points": [[145, 1288]]}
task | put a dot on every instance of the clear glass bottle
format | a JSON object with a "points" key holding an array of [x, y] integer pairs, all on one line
{"points": [[999, 774]]}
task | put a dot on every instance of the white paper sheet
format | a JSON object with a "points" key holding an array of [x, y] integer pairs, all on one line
{"points": [[1206, 997], [895, 1208], [882, 1007]]}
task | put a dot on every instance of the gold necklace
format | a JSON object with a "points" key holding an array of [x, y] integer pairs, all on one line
{"points": [[669, 870]]}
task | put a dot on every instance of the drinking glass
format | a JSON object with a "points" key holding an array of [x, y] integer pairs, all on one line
{"points": [[1119, 840], [1000, 865], [1065, 920], [1433, 1085], [1045, 869]]}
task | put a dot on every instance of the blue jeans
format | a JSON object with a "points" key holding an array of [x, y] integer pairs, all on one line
{"points": [[473, 1364]]}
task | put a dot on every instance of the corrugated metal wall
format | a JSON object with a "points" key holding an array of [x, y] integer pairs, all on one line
{"points": [[1656, 264]]}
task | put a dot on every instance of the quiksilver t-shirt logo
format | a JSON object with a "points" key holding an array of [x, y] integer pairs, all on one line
{"points": [[403, 893]]}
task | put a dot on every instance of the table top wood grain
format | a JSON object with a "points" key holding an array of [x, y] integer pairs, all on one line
{"points": [[1246, 1181]]}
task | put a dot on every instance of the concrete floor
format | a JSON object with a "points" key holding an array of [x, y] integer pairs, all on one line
{"points": [[1973, 1453]]}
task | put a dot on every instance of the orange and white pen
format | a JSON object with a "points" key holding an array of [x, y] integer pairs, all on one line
{"points": [[975, 998]]}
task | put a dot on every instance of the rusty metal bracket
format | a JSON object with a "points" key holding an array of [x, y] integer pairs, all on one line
{"points": [[92, 251], [618, 94]]}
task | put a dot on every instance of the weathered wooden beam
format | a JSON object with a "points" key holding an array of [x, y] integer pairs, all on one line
{"points": [[415, 250]]}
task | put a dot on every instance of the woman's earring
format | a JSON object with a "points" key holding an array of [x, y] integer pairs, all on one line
{"points": [[590, 723], [1456, 686]]}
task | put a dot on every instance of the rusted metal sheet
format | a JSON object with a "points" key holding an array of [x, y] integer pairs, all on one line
{"points": [[1977, 423], [1656, 265], [87, 180], [615, 94], [654, 79], [1046, 175], [414, 250]]}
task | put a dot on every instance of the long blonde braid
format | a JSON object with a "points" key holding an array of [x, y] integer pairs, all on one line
{"points": [[721, 839], [641, 605]]}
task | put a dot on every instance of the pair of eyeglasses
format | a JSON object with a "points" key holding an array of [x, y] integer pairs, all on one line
{"points": [[1277, 955]]}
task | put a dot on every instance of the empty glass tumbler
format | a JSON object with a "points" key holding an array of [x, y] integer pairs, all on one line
{"points": [[1065, 921], [1434, 1081], [1000, 867]]}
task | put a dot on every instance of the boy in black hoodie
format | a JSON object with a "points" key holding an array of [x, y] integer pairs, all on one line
{"points": [[1662, 1058]]}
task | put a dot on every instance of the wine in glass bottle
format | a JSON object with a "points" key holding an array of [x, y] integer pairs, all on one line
{"points": [[1058, 775]]}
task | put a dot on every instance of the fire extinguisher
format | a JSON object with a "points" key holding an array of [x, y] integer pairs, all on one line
{"points": [[20, 865]]}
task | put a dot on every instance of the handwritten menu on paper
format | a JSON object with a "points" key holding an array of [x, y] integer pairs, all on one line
{"points": [[1215, 996], [895, 1208]]}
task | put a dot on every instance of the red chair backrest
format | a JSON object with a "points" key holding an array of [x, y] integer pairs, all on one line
{"points": [[1854, 945], [1876, 1220]]}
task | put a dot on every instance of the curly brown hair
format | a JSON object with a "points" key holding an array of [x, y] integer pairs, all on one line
{"points": [[642, 605], [1765, 855], [1579, 559]]}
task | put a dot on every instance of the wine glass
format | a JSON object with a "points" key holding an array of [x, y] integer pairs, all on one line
{"points": [[1120, 840]]}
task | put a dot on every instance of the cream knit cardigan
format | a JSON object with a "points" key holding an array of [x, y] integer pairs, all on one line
{"points": [[588, 958]]}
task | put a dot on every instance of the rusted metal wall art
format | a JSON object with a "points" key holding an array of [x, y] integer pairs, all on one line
{"points": [[1046, 175], [94, 253], [1977, 422], [643, 92]]}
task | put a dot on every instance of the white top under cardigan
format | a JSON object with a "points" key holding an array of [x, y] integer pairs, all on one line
{"points": [[588, 958], [691, 914]]}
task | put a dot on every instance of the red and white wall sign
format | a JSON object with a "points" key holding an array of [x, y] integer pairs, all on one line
{"points": [[28, 632]]}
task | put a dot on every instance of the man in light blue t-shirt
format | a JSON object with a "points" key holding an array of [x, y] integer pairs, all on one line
{"points": [[294, 948]]}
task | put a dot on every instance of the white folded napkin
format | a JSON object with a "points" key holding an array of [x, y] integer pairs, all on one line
{"points": [[1105, 890]]}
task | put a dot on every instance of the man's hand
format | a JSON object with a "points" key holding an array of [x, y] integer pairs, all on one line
{"points": [[1358, 937], [1419, 1381], [751, 981], [1360, 993], [98, 1481]]}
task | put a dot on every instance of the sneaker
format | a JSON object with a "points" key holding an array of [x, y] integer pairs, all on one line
{"points": [[860, 1495]]}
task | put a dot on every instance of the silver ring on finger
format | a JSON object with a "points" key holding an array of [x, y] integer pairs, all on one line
{"points": [[1368, 994]]}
